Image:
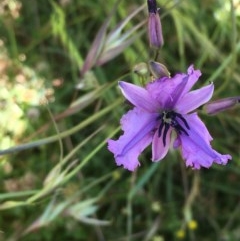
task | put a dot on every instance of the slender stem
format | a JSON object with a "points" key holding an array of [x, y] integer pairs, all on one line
{"points": [[129, 219], [17, 194], [62, 134], [87, 158], [58, 133]]}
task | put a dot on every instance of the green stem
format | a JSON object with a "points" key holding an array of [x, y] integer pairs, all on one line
{"points": [[62, 134], [88, 157], [17, 194], [50, 187]]}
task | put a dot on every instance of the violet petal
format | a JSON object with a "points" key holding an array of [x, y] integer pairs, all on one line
{"points": [[193, 99], [137, 126], [159, 150], [168, 91], [138, 96], [196, 148]]}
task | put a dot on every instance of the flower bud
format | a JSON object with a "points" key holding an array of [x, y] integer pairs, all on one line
{"points": [[158, 70], [217, 106], [154, 25], [141, 69]]}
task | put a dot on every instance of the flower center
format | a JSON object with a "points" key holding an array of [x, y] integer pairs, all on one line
{"points": [[174, 120]]}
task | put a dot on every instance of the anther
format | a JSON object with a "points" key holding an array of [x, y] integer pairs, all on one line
{"points": [[171, 119]]}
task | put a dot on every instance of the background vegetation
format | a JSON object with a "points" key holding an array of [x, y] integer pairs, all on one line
{"points": [[58, 180]]}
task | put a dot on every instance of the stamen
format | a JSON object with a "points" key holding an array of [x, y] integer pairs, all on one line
{"points": [[167, 126], [183, 120], [171, 119], [179, 128], [160, 116], [160, 128]]}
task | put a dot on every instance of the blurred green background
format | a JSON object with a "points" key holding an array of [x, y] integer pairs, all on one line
{"points": [[58, 180]]}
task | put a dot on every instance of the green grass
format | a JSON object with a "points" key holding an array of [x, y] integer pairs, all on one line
{"points": [[58, 180]]}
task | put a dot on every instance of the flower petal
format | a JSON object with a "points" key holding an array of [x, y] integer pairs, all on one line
{"points": [[162, 89], [194, 99], [196, 148], [168, 91], [138, 96], [193, 76], [137, 126], [159, 151]]}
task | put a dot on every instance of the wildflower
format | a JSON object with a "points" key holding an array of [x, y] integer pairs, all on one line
{"points": [[217, 106], [180, 234], [116, 175], [163, 106], [154, 25], [192, 224]]}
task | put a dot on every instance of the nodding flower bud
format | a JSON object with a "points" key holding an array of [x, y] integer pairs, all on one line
{"points": [[154, 25], [158, 70], [141, 69], [217, 106]]}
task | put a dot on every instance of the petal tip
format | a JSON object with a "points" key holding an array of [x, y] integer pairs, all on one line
{"points": [[192, 71], [121, 83]]}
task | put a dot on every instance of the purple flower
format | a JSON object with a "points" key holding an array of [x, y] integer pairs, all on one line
{"points": [[164, 106]]}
